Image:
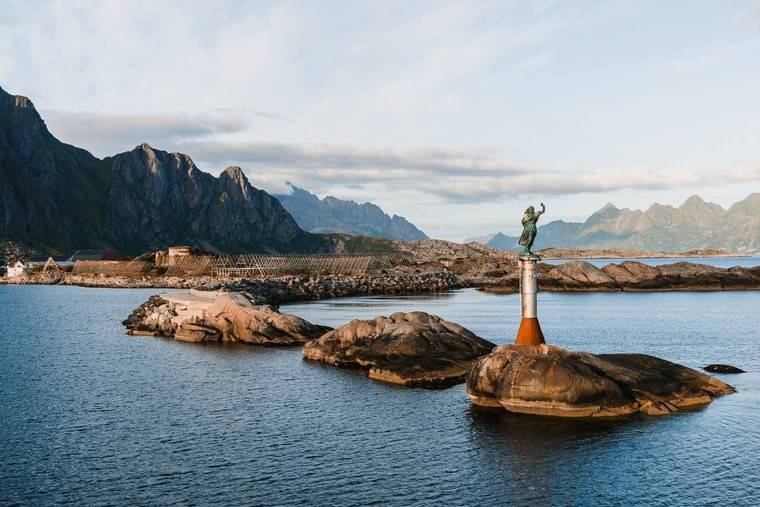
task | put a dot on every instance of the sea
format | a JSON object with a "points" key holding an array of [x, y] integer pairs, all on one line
{"points": [[92, 416]]}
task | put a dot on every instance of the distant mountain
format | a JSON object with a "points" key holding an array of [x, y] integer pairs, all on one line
{"points": [[502, 241], [694, 225], [336, 215], [483, 239], [55, 196]]}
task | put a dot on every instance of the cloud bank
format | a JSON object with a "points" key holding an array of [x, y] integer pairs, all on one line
{"points": [[464, 175]]}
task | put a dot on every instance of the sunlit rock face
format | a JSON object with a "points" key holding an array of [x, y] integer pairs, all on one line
{"points": [[413, 349], [203, 317], [547, 380]]}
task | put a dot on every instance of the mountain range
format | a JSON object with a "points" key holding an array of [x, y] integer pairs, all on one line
{"points": [[54, 196], [336, 215], [693, 225]]}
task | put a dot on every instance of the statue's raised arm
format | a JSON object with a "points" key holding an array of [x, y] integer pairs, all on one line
{"points": [[529, 220]]}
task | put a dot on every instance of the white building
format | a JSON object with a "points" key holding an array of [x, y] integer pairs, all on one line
{"points": [[15, 268]]}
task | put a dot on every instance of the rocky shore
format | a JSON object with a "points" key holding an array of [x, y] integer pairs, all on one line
{"points": [[582, 276], [489, 273], [273, 291]]}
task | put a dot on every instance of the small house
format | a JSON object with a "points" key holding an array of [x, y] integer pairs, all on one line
{"points": [[15, 268]]}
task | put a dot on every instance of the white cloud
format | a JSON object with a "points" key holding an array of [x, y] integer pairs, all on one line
{"points": [[436, 110], [108, 134]]}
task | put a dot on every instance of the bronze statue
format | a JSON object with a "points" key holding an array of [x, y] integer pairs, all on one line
{"points": [[529, 220]]}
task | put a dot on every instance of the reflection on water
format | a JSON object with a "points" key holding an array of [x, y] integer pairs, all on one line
{"points": [[91, 415]]}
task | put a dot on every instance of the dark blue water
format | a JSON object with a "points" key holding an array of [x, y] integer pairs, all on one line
{"points": [[90, 415], [721, 262]]}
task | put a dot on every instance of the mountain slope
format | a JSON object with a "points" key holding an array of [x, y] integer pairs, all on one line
{"points": [[348, 217], [54, 196], [694, 225], [50, 192]]}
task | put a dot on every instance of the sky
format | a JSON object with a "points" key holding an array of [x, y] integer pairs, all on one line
{"points": [[455, 115]]}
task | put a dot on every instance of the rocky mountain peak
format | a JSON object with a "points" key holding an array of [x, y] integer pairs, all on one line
{"points": [[607, 212], [331, 214], [238, 179], [696, 208], [24, 102], [300, 193], [693, 200], [236, 174], [749, 206]]}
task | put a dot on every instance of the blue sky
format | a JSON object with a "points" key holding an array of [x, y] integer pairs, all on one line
{"points": [[456, 115]]}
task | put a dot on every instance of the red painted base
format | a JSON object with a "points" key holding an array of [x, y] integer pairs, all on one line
{"points": [[529, 332]]}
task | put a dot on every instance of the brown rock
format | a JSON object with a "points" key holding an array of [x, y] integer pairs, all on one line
{"points": [[239, 320], [577, 275], [412, 349], [197, 333], [631, 272], [722, 368], [206, 316], [547, 380]]}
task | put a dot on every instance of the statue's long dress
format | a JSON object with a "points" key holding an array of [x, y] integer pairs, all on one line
{"points": [[529, 231]]}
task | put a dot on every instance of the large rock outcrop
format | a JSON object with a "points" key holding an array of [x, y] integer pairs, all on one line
{"points": [[547, 380], [198, 316], [411, 349]]}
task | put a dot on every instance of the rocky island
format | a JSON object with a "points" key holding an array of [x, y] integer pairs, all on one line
{"points": [[210, 316], [413, 349], [547, 380]]}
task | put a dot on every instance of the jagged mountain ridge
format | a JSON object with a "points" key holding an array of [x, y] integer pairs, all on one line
{"points": [[348, 217], [695, 224], [55, 196]]}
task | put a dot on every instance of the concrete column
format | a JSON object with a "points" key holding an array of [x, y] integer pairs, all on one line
{"points": [[528, 287], [530, 330]]}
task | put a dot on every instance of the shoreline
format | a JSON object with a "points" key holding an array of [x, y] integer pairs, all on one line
{"points": [[274, 291], [571, 277], [651, 257]]}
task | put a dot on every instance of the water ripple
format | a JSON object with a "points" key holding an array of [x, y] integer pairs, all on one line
{"points": [[90, 415]]}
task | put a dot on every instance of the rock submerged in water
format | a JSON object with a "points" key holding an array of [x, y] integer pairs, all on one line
{"points": [[204, 316], [547, 380], [722, 368], [413, 349]]}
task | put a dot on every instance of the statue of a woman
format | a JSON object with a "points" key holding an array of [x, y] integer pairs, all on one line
{"points": [[529, 220]]}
